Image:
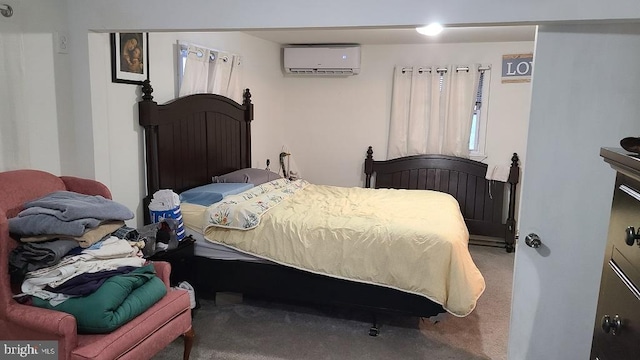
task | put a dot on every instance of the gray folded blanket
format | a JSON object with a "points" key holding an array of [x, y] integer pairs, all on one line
{"points": [[41, 224], [66, 213], [68, 205], [34, 256]]}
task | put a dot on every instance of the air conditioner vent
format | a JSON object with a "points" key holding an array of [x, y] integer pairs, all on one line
{"points": [[321, 71]]}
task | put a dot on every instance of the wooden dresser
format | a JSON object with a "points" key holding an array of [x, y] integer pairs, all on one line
{"points": [[616, 334]]}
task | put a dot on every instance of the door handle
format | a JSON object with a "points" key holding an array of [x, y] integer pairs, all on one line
{"points": [[533, 240]]}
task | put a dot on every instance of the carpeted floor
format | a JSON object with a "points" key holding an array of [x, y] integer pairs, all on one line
{"points": [[253, 329]]}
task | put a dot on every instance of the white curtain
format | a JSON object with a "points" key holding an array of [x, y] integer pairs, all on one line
{"points": [[432, 110], [212, 71], [14, 130]]}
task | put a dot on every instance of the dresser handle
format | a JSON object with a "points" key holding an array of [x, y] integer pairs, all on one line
{"points": [[613, 326], [630, 191], [631, 237]]}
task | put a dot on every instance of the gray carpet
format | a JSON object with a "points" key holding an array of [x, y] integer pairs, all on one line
{"points": [[253, 329]]}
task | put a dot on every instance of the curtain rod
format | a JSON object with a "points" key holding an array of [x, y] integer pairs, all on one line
{"points": [[212, 57], [462, 68]]}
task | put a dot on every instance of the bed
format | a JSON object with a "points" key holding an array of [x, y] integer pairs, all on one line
{"points": [[190, 140]]}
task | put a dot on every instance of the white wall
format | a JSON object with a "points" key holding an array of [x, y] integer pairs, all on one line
{"points": [[44, 102], [332, 121], [41, 113]]}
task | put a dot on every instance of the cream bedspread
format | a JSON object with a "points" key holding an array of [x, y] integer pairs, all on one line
{"points": [[411, 240]]}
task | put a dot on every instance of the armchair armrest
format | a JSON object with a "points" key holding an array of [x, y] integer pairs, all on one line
{"points": [[163, 271], [54, 325], [86, 186], [57, 323]]}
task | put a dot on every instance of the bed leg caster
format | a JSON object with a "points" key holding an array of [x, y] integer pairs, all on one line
{"points": [[374, 331]]}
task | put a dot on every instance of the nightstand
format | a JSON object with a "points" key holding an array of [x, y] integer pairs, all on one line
{"points": [[181, 260]]}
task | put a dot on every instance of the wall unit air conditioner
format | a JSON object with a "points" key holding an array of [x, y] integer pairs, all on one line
{"points": [[322, 60]]}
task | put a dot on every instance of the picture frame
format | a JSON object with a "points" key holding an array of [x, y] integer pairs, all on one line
{"points": [[129, 57]]}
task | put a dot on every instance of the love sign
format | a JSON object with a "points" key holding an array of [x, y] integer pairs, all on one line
{"points": [[517, 68]]}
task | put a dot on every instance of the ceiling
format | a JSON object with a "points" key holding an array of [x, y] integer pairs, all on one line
{"points": [[387, 36]]}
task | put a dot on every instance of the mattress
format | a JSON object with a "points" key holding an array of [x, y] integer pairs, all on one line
{"points": [[192, 218], [211, 250]]}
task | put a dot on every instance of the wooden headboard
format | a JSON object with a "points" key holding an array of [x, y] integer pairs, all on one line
{"points": [[193, 138], [481, 201]]}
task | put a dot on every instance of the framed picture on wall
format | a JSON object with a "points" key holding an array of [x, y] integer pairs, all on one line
{"points": [[129, 57]]}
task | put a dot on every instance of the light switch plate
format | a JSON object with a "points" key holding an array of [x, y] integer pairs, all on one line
{"points": [[61, 40]]}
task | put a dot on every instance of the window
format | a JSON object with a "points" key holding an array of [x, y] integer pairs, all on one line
{"points": [[182, 61], [478, 122], [478, 127]]}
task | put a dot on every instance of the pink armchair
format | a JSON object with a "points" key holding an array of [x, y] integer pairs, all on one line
{"points": [[141, 338]]}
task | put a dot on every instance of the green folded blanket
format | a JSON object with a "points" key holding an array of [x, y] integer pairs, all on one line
{"points": [[117, 301]]}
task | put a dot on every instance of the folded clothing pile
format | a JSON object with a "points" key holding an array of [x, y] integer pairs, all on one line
{"points": [[77, 255]]}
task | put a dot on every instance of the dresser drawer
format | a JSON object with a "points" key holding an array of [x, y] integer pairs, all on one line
{"points": [[625, 215], [619, 299]]}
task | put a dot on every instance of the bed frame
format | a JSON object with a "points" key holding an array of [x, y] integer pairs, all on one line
{"points": [[481, 200], [191, 139]]}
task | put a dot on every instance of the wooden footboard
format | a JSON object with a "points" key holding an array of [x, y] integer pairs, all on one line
{"points": [[482, 201]]}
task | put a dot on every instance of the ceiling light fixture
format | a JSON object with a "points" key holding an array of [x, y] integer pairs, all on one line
{"points": [[430, 30]]}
